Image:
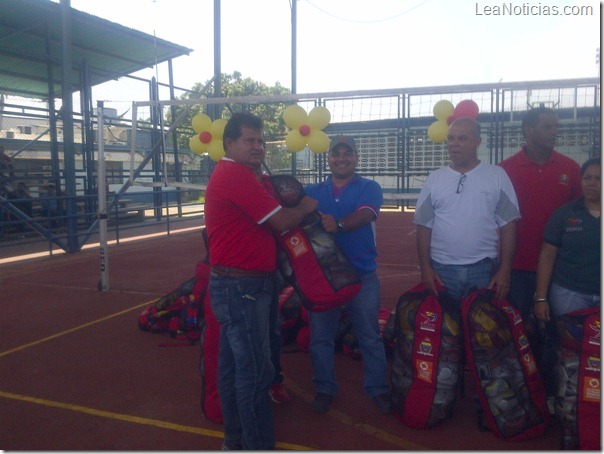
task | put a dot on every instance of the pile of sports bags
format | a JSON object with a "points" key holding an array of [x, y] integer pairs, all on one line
{"points": [[578, 397], [435, 338], [180, 311]]}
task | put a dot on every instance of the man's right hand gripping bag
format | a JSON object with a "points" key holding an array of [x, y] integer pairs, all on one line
{"points": [[578, 399], [503, 367], [310, 259], [427, 357]]}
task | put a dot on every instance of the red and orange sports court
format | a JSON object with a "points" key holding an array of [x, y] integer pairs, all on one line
{"points": [[76, 373]]}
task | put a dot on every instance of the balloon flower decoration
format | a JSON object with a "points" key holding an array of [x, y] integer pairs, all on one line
{"points": [[445, 114], [209, 136], [307, 129]]}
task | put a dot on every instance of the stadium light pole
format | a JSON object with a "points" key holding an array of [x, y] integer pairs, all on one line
{"points": [[217, 58], [294, 19]]}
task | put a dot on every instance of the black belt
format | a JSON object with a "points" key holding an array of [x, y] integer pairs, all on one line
{"points": [[227, 271]]}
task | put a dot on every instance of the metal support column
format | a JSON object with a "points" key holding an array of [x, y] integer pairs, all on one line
{"points": [[68, 136]]}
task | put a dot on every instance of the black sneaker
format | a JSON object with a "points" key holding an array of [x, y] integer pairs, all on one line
{"points": [[322, 402], [382, 401]]}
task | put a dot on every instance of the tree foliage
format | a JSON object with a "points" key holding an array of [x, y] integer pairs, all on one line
{"points": [[234, 85]]}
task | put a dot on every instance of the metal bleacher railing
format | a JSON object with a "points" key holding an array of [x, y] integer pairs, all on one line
{"points": [[390, 127]]}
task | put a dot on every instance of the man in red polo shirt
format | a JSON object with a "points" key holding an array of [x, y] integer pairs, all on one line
{"points": [[543, 180], [240, 217]]}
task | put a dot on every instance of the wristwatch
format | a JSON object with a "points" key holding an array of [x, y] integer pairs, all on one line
{"points": [[340, 225]]}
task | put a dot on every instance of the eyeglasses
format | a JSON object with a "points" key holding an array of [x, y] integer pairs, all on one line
{"points": [[462, 178]]}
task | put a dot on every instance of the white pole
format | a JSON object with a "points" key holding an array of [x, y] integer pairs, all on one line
{"points": [[133, 141], [102, 198]]}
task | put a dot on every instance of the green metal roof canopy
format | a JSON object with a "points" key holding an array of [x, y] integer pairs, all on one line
{"points": [[31, 41]]}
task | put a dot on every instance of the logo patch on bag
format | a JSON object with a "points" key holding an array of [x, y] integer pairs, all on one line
{"points": [[425, 347], [594, 337], [593, 363], [591, 389], [523, 342], [515, 314], [297, 245], [424, 369], [428, 321], [529, 363]]}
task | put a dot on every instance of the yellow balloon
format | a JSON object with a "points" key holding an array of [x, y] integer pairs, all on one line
{"points": [[443, 109], [318, 141], [295, 141], [294, 116], [196, 146], [201, 122], [319, 117], [216, 150], [217, 129], [438, 131]]}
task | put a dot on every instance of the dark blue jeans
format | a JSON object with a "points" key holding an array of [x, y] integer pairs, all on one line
{"points": [[245, 370], [543, 336], [275, 329]]}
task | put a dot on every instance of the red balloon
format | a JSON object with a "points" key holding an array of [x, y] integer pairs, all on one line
{"points": [[205, 137], [304, 130], [466, 108]]}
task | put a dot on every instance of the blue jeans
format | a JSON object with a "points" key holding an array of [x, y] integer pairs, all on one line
{"points": [[275, 337], [363, 309], [461, 280], [542, 336], [245, 371], [563, 300]]}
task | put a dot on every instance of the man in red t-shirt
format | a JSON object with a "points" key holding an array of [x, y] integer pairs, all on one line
{"points": [[240, 219], [543, 180]]}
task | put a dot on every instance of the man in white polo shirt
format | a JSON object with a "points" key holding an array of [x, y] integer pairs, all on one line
{"points": [[466, 219]]}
